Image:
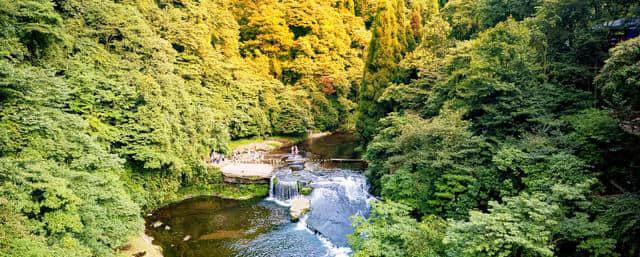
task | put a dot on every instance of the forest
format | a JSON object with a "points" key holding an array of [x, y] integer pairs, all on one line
{"points": [[498, 128]]}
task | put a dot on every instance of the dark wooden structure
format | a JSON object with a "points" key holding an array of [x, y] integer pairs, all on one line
{"points": [[621, 29]]}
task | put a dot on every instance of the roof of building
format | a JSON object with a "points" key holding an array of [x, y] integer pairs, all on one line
{"points": [[624, 23]]}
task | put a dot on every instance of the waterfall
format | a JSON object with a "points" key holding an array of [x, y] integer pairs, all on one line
{"points": [[355, 189], [282, 192], [334, 200], [336, 196], [285, 190]]}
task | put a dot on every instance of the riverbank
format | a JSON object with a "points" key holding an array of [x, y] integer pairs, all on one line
{"points": [[273, 142], [264, 144], [226, 191], [141, 246], [144, 244], [214, 184]]}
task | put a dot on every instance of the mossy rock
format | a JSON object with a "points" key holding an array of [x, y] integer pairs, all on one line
{"points": [[254, 178], [306, 190]]}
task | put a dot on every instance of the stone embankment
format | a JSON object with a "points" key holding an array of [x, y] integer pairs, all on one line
{"points": [[247, 173]]}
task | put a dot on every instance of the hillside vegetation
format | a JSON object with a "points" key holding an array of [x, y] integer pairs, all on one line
{"points": [[111, 107], [500, 128]]}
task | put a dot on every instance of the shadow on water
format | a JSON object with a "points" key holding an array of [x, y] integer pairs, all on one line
{"points": [[211, 226], [336, 145], [333, 146]]}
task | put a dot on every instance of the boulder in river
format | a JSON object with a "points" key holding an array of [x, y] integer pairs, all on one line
{"points": [[299, 207], [157, 224]]}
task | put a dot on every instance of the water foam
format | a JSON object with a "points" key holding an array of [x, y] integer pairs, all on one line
{"points": [[302, 224], [332, 250], [355, 190]]}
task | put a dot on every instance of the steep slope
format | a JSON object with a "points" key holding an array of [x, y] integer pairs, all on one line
{"points": [[110, 107]]}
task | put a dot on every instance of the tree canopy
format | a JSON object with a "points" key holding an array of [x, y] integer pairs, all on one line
{"points": [[108, 108], [513, 121], [491, 127]]}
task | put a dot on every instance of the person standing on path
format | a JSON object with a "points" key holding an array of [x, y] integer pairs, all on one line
{"points": [[212, 156]]}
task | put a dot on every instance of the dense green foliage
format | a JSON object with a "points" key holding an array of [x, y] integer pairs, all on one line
{"points": [[432, 162], [396, 30], [498, 123], [619, 79], [49, 181], [108, 108], [493, 127], [391, 232], [315, 48]]}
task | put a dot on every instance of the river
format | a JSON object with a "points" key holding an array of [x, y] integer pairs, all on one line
{"points": [[210, 226]]}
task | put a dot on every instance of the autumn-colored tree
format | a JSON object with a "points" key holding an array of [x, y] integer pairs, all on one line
{"points": [[397, 29]]}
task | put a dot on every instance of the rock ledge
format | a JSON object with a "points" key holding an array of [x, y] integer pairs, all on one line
{"points": [[299, 207]]}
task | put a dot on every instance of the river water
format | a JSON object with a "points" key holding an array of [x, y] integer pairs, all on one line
{"points": [[210, 226]]}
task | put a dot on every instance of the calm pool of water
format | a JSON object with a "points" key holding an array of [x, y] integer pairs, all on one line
{"points": [[221, 227]]}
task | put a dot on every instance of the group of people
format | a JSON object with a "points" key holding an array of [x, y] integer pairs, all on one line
{"points": [[250, 155], [216, 158], [294, 150]]}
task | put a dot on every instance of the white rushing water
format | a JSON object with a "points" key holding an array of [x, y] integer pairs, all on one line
{"points": [[333, 250], [336, 196], [282, 192]]}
